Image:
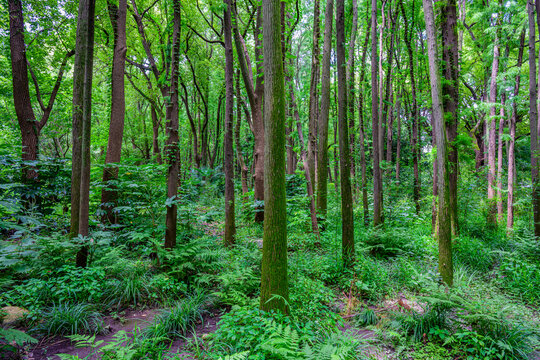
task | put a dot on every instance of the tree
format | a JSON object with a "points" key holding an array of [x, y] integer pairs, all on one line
{"points": [[347, 221], [444, 233], [109, 194], [377, 176], [313, 94], [228, 152], [274, 281], [29, 126], [82, 112], [322, 164]]}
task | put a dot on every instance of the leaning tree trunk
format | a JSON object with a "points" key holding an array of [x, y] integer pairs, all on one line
{"points": [[444, 217], [171, 147], [109, 194], [274, 281], [322, 164], [347, 224], [228, 152]]}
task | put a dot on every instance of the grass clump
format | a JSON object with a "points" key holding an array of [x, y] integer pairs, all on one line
{"points": [[70, 319]]}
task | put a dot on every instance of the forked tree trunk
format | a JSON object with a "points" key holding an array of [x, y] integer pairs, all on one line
{"points": [[347, 223], [444, 217], [322, 164], [274, 281], [109, 194]]}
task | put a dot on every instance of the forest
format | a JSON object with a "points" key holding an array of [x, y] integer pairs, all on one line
{"points": [[270, 179]]}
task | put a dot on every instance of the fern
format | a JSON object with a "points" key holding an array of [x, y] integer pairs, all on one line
{"points": [[19, 337], [238, 356]]}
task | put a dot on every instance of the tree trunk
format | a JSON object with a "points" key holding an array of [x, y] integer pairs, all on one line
{"points": [[171, 147], [377, 176], [398, 139], [362, 132], [444, 217], [21, 93], [228, 152], [533, 116], [512, 142], [243, 167], [155, 135], [500, 161], [492, 137], [274, 280], [82, 112], [450, 99], [322, 164], [351, 85], [109, 194], [313, 93], [347, 223]]}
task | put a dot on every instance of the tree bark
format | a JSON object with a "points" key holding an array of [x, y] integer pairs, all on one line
{"points": [[82, 112], [444, 217], [274, 281], [512, 142], [533, 116], [351, 85], [492, 137], [377, 176], [362, 132], [313, 92], [347, 222], [243, 167], [322, 164], [228, 152], [171, 147], [109, 194], [450, 90]]}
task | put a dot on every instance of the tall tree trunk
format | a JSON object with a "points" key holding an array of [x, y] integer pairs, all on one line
{"points": [[398, 137], [255, 92], [492, 146], [533, 116], [82, 112], [500, 161], [109, 194], [274, 280], [313, 93], [377, 176], [351, 84], [415, 148], [228, 152], [362, 132], [347, 223], [322, 164], [171, 147], [445, 231], [512, 142], [450, 99]]}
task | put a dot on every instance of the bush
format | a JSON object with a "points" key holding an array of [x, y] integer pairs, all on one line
{"points": [[521, 278], [473, 253]]}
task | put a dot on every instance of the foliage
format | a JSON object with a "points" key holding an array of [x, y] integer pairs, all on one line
{"points": [[69, 319]]}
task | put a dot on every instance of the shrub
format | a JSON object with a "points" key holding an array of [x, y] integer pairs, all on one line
{"points": [[473, 253]]}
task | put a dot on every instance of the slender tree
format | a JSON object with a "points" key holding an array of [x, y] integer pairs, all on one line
{"points": [[228, 152], [274, 282], [444, 217], [322, 164], [313, 92], [377, 176], [82, 111], [347, 222]]}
